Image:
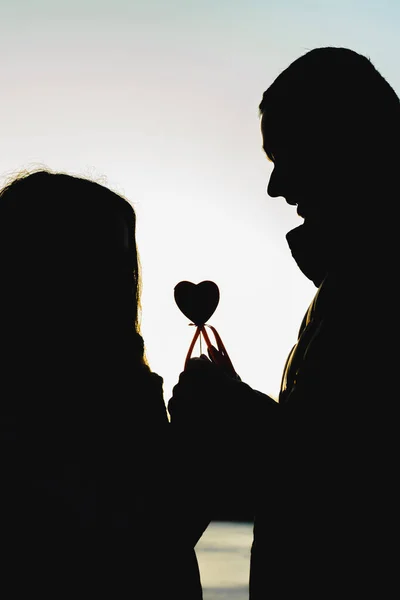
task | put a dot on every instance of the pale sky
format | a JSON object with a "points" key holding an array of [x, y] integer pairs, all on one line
{"points": [[159, 100]]}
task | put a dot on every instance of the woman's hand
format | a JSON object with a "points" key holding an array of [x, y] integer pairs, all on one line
{"points": [[201, 394]]}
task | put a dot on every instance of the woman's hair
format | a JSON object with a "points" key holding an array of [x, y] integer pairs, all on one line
{"points": [[68, 254], [334, 94]]}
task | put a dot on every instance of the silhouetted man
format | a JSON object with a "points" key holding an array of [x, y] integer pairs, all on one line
{"points": [[321, 464]]}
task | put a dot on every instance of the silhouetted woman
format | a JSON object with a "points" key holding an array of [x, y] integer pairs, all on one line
{"points": [[89, 504]]}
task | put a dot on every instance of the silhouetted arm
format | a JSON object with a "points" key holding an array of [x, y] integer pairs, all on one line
{"points": [[223, 430]]}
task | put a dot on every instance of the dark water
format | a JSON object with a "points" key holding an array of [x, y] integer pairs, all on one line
{"points": [[223, 554]]}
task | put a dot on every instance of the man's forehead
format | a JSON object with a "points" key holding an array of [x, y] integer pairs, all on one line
{"points": [[288, 131], [272, 132]]}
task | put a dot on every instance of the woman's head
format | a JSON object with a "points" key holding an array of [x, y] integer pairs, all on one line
{"points": [[68, 258], [331, 125]]}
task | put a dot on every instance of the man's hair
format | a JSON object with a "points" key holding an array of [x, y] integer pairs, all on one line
{"points": [[335, 90]]}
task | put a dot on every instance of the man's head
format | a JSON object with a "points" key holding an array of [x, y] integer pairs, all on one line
{"points": [[327, 123]]}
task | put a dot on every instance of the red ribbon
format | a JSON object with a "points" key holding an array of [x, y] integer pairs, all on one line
{"points": [[221, 358]]}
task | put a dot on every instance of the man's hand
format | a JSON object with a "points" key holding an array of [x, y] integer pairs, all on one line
{"points": [[220, 429], [217, 410]]}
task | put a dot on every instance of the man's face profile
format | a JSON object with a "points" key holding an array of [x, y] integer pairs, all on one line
{"points": [[303, 174]]}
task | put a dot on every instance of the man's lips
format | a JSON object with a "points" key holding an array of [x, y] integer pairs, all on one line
{"points": [[301, 212]]}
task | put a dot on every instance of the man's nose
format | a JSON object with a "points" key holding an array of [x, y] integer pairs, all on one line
{"points": [[278, 186], [274, 187]]}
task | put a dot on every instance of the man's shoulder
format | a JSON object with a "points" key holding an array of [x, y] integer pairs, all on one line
{"points": [[346, 296]]}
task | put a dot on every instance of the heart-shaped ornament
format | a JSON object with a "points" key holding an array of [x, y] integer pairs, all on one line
{"points": [[197, 302]]}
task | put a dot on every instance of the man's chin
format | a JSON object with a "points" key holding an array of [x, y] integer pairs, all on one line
{"points": [[308, 250]]}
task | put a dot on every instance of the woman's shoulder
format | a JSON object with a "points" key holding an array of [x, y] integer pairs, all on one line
{"points": [[147, 387]]}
